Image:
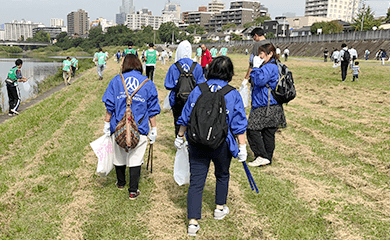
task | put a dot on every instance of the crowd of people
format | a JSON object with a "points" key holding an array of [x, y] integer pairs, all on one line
{"points": [[207, 74]]}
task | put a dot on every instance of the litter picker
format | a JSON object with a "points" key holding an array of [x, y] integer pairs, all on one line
{"points": [[250, 178]]}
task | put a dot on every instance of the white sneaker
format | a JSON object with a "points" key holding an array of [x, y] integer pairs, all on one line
{"points": [[259, 161], [15, 112], [220, 214], [193, 229]]}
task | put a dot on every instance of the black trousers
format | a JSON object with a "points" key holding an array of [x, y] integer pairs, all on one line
{"points": [[176, 110], [344, 69], [150, 72], [135, 174], [13, 98], [262, 143], [73, 71]]}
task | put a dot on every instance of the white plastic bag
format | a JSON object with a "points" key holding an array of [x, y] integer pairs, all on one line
{"points": [[244, 91], [166, 104], [104, 151], [181, 168]]}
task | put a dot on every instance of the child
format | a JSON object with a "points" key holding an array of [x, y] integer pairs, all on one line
{"points": [[355, 71]]}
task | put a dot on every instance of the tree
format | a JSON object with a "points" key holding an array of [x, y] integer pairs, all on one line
{"points": [[40, 36], [387, 19], [165, 32], [327, 27], [258, 21], [269, 35], [193, 28], [365, 19], [227, 26], [236, 37]]}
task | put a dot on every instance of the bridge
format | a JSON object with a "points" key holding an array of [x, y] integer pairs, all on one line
{"points": [[24, 44]]}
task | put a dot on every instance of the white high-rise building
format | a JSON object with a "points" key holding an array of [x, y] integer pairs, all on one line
{"points": [[127, 7], [171, 12], [216, 6], [15, 30], [344, 10], [55, 22], [136, 21]]}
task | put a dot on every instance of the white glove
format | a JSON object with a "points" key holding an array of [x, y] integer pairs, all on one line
{"points": [[242, 154], [257, 61], [245, 82], [106, 129], [179, 142], [153, 135], [77, 68]]}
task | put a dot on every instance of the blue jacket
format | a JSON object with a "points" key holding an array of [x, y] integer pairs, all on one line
{"points": [[236, 117], [173, 75], [144, 105], [268, 73]]}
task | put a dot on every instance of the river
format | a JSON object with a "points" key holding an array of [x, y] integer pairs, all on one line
{"points": [[34, 70]]}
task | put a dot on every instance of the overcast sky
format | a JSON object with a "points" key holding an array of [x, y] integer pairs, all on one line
{"points": [[43, 10]]}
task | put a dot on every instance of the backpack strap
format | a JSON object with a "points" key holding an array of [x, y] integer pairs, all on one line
{"points": [[179, 67], [226, 89], [192, 67], [129, 98], [204, 87]]}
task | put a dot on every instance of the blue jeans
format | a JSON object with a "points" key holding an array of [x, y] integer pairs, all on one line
{"points": [[100, 69], [200, 159]]}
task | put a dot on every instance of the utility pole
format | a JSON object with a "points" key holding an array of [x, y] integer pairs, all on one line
{"points": [[173, 36]]}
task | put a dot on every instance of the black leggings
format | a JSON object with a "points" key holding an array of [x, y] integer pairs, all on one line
{"points": [[262, 142], [135, 174]]}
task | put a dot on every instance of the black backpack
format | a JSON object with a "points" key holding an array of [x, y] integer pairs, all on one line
{"points": [[346, 56], [185, 84], [207, 126], [285, 89]]}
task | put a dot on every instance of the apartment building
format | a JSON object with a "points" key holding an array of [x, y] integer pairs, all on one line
{"points": [[216, 6], [78, 23], [344, 10], [136, 21], [238, 16], [15, 30], [199, 18]]}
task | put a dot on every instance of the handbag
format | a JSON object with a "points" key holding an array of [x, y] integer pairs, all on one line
{"points": [[126, 132]]}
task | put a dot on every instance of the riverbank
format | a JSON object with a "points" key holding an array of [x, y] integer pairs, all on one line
{"points": [[328, 179]]}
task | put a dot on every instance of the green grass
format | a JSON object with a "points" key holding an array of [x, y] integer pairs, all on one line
{"points": [[329, 178]]}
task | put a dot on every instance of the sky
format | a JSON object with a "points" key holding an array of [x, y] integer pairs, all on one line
{"points": [[41, 11]]}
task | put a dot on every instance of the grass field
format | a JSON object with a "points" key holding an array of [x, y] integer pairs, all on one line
{"points": [[329, 178]]}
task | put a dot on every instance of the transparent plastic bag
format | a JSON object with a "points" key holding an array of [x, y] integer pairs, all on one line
{"points": [[181, 168], [244, 92], [104, 151], [166, 104]]}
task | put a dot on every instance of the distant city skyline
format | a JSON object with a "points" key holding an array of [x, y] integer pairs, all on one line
{"points": [[41, 11]]}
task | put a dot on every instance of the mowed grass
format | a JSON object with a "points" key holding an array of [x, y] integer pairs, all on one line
{"points": [[329, 178]]}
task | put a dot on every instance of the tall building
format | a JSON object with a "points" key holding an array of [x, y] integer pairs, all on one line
{"points": [[240, 12], [55, 22], [344, 10], [15, 30], [143, 18], [172, 9], [126, 8], [216, 6], [78, 23]]}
